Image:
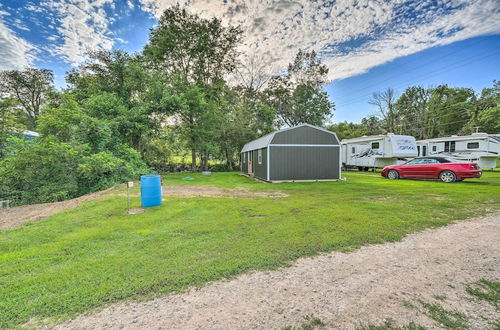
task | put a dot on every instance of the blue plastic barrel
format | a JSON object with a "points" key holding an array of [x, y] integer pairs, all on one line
{"points": [[150, 190]]}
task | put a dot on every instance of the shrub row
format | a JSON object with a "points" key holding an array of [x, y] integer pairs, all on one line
{"points": [[45, 170]]}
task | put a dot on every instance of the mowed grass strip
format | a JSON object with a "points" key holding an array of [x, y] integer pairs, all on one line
{"points": [[96, 254]]}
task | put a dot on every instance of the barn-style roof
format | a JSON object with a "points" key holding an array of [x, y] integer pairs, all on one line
{"points": [[264, 141]]}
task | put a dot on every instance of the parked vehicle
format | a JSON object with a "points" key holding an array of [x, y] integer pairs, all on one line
{"points": [[478, 147], [377, 151], [445, 169]]}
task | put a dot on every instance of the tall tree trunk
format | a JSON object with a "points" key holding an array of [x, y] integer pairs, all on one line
{"points": [[205, 161], [193, 160], [229, 160]]}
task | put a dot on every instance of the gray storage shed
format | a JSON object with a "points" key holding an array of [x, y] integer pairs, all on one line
{"points": [[303, 152]]}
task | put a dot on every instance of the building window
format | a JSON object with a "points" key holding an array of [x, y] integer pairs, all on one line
{"points": [[244, 157], [375, 145], [259, 156], [449, 146], [473, 145]]}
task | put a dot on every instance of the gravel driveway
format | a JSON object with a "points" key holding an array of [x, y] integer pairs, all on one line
{"points": [[344, 290]]}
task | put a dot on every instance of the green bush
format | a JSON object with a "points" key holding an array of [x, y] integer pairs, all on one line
{"points": [[39, 171], [100, 171], [222, 168], [46, 170], [103, 170]]}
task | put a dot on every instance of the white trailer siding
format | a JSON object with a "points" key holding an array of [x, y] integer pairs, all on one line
{"points": [[377, 151], [479, 147]]}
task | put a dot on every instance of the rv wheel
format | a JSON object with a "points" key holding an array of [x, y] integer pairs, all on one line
{"points": [[393, 175], [447, 176]]}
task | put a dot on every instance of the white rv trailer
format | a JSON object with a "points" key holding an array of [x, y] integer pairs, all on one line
{"points": [[377, 151], [482, 148]]}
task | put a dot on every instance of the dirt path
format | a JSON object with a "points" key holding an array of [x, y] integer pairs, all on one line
{"points": [[208, 191], [344, 290], [16, 216]]}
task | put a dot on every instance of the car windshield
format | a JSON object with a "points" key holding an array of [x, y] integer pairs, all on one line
{"points": [[422, 161]]}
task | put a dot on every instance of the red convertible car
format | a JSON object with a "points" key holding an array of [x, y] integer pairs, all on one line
{"points": [[443, 168]]}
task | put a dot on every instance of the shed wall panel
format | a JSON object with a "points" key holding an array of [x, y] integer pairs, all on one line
{"points": [[260, 170], [304, 135], [304, 163]]}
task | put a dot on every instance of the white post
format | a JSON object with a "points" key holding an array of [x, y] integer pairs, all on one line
{"points": [[130, 184]]}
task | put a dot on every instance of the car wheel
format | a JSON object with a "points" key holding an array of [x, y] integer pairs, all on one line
{"points": [[393, 175], [447, 176]]}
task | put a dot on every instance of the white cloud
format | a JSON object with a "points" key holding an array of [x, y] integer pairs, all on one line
{"points": [[15, 52], [18, 24], [83, 25], [352, 36]]}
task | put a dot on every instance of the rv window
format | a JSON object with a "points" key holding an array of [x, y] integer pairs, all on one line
{"points": [[449, 146], [434, 148], [353, 150], [375, 145], [259, 156], [418, 150], [473, 145]]}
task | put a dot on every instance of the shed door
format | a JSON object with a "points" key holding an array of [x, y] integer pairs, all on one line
{"points": [[250, 162]]}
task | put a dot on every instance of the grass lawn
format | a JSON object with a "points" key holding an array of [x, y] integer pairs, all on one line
{"points": [[95, 254]]}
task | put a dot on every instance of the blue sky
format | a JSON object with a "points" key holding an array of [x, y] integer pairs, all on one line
{"points": [[473, 63], [368, 45]]}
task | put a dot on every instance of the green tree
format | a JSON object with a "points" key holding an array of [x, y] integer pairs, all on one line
{"points": [[192, 48], [449, 110], [411, 112], [31, 88], [487, 115], [115, 72], [347, 130], [297, 95], [62, 121], [191, 56], [489, 120], [245, 117], [9, 122], [131, 125], [373, 125]]}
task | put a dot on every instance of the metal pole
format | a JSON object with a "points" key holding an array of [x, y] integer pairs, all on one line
{"points": [[128, 196]]}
